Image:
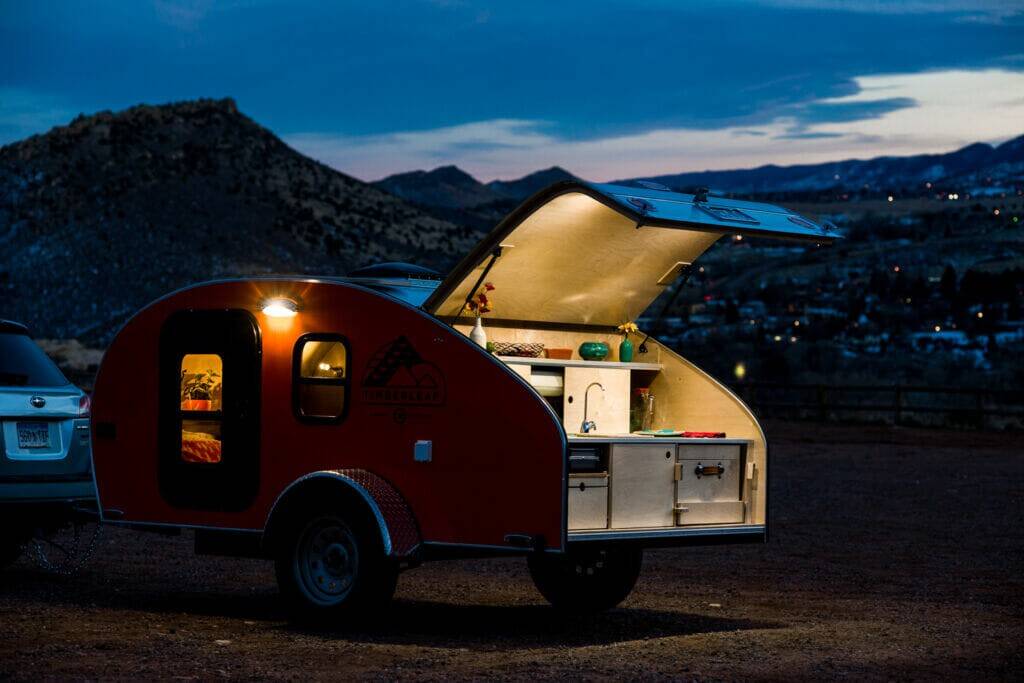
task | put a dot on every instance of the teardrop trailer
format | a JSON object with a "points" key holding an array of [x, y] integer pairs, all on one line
{"points": [[348, 428]]}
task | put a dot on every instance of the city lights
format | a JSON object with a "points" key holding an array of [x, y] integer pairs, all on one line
{"points": [[740, 371]]}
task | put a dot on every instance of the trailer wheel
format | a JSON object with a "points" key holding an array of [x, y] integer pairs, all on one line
{"points": [[331, 564], [586, 581]]}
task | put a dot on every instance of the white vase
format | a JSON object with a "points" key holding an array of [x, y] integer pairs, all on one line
{"points": [[477, 334]]}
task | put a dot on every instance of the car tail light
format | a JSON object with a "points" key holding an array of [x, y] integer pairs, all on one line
{"points": [[84, 404]]}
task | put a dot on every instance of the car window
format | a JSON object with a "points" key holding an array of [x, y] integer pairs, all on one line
{"points": [[24, 364]]}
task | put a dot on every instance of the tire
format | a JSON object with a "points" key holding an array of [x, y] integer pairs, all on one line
{"points": [[586, 581], [12, 541], [331, 566], [10, 550]]}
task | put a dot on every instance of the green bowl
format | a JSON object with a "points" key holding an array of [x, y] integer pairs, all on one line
{"points": [[593, 350]]}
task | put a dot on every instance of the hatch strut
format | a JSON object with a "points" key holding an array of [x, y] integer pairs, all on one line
{"points": [[469, 297], [684, 276]]}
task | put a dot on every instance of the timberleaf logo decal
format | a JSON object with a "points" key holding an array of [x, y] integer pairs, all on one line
{"points": [[397, 375]]}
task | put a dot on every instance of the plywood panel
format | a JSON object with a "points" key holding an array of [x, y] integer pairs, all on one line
{"points": [[689, 398], [577, 261], [561, 339], [642, 486], [608, 408]]}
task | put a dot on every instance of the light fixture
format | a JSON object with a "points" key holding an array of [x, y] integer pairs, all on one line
{"points": [[280, 308], [740, 370]]}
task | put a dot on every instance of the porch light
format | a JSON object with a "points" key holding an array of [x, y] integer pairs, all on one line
{"points": [[280, 308]]}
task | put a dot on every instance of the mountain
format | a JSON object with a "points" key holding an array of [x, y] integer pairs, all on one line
{"points": [[101, 216], [979, 163], [527, 185], [451, 190], [446, 187]]}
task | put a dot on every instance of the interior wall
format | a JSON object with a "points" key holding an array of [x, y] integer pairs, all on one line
{"points": [[686, 397], [560, 339]]}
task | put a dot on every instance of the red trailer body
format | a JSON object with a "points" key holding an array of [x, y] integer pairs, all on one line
{"points": [[491, 441], [347, 433]]}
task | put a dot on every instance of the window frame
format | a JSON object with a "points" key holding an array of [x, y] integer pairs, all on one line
{"points": [[298, 380]]}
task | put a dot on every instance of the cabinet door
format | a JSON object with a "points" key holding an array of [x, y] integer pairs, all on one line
{"points": [[643, 487], [609, 409]]}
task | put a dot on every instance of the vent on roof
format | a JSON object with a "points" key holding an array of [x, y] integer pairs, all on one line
{"points": [[802, 223], [642, 204], [725, 213], [651, 185]]}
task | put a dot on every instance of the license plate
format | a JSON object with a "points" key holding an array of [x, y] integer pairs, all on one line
{"points": [[33, 435]]}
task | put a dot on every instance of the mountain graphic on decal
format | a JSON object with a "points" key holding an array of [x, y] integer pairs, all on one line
{"points": [[398, 375]]}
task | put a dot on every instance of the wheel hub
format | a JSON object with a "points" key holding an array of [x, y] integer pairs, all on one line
{"points": [[327, 561]]}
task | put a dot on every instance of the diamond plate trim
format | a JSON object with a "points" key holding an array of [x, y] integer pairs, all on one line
{"points": [[397, 523]]}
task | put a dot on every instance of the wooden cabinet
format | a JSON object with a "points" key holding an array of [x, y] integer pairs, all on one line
{"points": [[588, 502], [709, 484], [609, 409], [643, 486]]}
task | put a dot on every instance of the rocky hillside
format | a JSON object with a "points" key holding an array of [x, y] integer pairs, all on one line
{"points": [[103, 215]]}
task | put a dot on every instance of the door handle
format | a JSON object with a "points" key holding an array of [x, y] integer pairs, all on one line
{"points": [[709, 470]]}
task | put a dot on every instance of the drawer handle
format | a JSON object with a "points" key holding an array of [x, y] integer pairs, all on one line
{"points": [[709, 470]]}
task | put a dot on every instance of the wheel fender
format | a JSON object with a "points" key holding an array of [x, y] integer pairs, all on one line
{"points": [[399, 532]]}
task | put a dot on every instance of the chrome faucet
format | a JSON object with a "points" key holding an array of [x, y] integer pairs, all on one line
{"points": [[589, 425]]}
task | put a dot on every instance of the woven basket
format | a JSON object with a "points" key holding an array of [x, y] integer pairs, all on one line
{"points": [[519, 349]]}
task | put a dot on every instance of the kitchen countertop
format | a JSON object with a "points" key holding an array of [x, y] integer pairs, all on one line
{"points": [[630, 439]]}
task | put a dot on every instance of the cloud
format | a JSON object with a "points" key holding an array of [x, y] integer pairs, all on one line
{"points": [[888, 115], [977, 10], [377, 154]]}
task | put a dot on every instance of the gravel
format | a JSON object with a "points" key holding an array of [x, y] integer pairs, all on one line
{"points": [[894, 554]]}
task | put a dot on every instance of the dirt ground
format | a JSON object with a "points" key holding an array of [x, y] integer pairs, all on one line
{"points": [[895, 554]]}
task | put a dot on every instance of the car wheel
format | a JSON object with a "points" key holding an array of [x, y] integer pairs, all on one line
{"points": [[332, 564], [10, 550], [12, 543], [586, 581]]}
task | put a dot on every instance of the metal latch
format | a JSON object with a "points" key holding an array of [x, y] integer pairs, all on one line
{"points": [[679, 509]]}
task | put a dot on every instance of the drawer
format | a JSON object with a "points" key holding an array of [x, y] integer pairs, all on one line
{"points": [[588, 502], [717, 512], [588, 459], [708, 473]]}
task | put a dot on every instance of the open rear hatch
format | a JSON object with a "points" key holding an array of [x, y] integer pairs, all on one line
{"points": [[581, 253], [571, 264]]}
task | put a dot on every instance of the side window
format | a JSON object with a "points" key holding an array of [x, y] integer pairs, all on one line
{"points": [[320, 378], [201, 407]]}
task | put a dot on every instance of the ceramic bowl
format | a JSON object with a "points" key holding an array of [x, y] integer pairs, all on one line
{"points": [[593, 350]]}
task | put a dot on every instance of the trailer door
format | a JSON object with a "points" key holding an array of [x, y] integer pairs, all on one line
{"points": [[209, 410]]}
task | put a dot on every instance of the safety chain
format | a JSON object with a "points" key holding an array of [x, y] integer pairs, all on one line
{"points": [[71, 564]]}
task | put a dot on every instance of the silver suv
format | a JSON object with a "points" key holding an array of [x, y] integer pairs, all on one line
{"points": [[45, 456]]}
